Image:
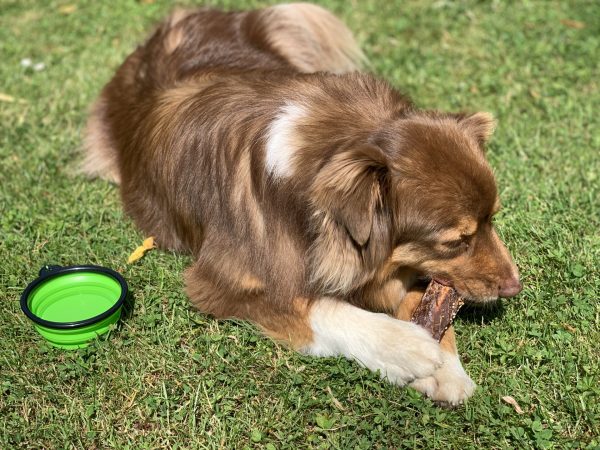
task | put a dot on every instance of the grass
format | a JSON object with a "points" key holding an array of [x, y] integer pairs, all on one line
{"points": [[168, 377]]}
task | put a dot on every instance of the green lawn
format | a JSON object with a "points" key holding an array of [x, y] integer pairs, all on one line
{"points": [[168, 377]]}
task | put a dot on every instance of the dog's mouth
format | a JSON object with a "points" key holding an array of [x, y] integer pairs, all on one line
{"points": [[426, 279], [463, 291], [443, 281]]}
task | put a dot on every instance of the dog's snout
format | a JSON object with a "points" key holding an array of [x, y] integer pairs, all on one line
{"points": [[510, 287]]}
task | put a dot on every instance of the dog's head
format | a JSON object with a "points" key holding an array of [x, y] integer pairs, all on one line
{"points": [[420, 195]]}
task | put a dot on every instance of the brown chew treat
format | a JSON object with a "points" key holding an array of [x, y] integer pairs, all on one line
{"points": [[437, 309]]}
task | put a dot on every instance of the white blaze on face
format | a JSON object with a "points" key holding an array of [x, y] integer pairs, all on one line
{"points": [[282, 142]]}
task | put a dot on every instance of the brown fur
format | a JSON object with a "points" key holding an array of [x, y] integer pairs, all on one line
{"points": [[101, 158], [377, 191]]}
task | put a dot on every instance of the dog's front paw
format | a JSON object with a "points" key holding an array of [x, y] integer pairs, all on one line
{"points": [[449, 384], [402, 352]]}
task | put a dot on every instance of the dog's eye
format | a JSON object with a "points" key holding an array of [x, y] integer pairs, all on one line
{"points": [[458, 244], [455, 244]]}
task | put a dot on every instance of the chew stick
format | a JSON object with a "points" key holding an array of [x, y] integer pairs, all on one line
{"points": [[437, 309]]}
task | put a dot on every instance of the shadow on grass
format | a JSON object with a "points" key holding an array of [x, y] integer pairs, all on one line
{"points": [[128, 307], [481, 314]]}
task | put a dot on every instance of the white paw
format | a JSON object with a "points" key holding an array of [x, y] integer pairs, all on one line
{"points": [[401, 351], [449, 384]]}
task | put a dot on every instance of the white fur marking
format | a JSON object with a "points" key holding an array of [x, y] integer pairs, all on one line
{"points": [[401, 351], [280, 141]]}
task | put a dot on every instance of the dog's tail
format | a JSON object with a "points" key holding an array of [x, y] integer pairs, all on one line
{"points": [[308, 37]]}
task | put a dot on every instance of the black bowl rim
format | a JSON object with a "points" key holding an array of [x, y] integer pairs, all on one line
{"points": [[49, 272]]}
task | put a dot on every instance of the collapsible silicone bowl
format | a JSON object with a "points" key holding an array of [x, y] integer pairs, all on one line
{"points": [[70, 306]]}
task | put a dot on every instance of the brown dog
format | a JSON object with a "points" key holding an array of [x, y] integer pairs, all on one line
{"points": [[311, 195]]}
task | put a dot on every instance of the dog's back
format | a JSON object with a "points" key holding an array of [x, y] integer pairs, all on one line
{"points": [[300, 38]]}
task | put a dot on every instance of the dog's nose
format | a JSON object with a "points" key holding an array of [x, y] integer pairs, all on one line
{"points": [[510, 288]]}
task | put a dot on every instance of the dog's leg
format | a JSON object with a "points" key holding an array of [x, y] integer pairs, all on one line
{"points": [[240, 294], [400, 350], [450, 383]]}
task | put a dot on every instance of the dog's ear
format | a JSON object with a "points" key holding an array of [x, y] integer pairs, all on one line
{"points": [[349, 186], [480, 125]]}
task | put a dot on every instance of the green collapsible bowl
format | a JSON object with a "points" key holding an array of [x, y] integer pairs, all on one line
{"points": [[70, 306]]}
